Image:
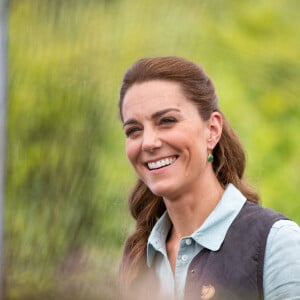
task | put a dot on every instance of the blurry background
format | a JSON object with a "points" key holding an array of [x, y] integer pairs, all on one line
{"points": [[67, 175]]}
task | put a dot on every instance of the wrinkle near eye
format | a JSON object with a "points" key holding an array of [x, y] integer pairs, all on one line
{"points": [[132, 132], [168, 120]]}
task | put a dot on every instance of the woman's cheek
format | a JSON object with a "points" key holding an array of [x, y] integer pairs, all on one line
{"points": [[132, 151]]}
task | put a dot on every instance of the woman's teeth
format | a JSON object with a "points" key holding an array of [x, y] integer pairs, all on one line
{"points": [[161, 163]]}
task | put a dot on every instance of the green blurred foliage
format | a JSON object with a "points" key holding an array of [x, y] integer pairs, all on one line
{"points": [[67, 175]]}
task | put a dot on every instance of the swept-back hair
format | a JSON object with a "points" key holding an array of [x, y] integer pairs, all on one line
{"points": [[229, 156]]}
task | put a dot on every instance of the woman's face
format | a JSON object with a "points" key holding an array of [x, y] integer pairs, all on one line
{"points": [[167, 142]]}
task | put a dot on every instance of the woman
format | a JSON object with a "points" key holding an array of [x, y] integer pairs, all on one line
{"points": [[200, 233]]}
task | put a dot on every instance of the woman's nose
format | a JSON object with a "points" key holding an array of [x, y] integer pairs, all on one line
{"points": [[151, 140]]}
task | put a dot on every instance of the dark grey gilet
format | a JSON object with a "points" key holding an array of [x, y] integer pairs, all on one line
{"points": [[235, 271]]}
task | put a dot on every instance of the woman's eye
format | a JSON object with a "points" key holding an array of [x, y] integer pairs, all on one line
{"points": [[168, 120], [132, 131]]}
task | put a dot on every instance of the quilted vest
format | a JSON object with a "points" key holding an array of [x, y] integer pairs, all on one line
{"points": [[235, 271]]}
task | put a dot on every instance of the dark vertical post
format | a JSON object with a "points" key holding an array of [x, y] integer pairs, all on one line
{"points": [[3, 40]]}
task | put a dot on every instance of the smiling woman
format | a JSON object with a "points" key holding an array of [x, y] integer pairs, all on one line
{"points": [[167, 142], [198, 225]]}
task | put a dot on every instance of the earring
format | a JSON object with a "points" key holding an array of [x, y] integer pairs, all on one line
{"points": [[210, 158]]}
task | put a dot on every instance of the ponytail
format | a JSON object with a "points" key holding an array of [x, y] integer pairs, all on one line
{"points": [[146, 208]]}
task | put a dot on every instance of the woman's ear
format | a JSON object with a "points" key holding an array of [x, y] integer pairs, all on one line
{"points": [[215, 124]]}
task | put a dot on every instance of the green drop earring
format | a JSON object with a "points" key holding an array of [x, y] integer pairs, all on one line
{"points": [[210, 158]]}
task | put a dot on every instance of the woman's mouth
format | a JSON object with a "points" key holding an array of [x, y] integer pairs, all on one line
{"points": [[161, 163]]}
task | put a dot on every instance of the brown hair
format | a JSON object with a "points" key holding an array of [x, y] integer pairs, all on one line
{"points": [[229, 156]]}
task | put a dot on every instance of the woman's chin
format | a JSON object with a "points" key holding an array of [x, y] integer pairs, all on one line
{"points": [[162, 191]]}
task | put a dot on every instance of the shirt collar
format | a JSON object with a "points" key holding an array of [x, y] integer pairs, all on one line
{"points": [[158, 237], [211, 233]]}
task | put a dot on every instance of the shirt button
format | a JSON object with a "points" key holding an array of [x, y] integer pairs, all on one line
{"points": [[184, 257], [188, 242]]}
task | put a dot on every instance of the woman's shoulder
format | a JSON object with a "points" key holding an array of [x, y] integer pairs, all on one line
{"points": [[284, 232], [257, 214], [282, 261]]}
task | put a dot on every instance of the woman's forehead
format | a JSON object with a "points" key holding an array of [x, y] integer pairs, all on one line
{"points": [[153, 97]]}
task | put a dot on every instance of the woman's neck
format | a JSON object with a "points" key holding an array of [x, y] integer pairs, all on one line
{"points": [[188, 212]]}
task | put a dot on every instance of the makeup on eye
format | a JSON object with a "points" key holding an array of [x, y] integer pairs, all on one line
{"points": [[167, 120], [159, 118], [132, 131]]}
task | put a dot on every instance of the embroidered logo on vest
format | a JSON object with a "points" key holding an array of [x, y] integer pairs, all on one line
{"points": [[207, 292]]}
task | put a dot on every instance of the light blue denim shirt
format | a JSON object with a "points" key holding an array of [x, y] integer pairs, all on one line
{"points": [[282, 256]]}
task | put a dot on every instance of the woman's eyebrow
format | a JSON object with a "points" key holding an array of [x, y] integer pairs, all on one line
{"points": [[154, 116], [130, 121], [162, 112]]}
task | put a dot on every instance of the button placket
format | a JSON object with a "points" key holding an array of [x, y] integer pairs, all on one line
{"points": [[188, 242], [184, 257]]}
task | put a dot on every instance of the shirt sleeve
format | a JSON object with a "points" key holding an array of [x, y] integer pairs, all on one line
{"points": [[282, 262]]}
